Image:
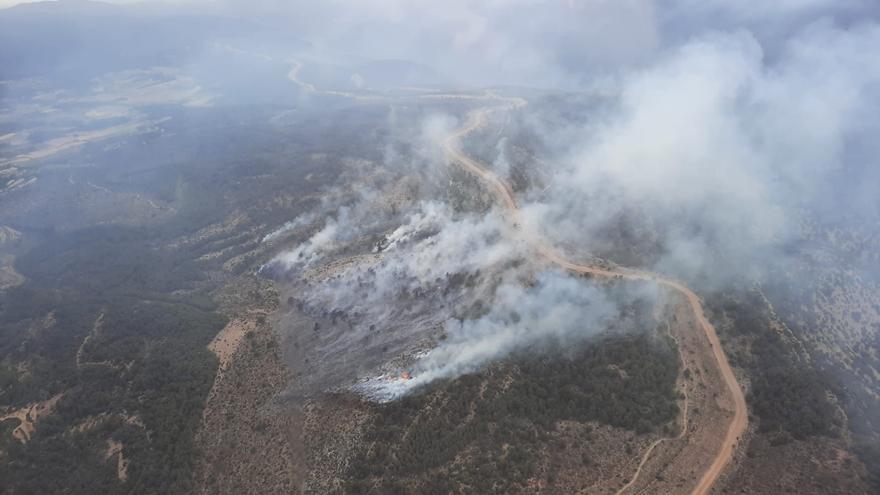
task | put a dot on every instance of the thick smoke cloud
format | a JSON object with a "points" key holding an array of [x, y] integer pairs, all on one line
{"points": [[374, 308], [713, 143], [531, 43], [479, 42], [463, 274], [720, 149], [419, 256], [555, 310]]}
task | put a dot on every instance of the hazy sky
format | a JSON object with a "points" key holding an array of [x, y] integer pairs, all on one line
{"points": [[525, 42], [10, 3]]}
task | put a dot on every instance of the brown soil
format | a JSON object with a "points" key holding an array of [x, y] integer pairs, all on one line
{"points": [[81, 350], [28, 417], [227, 341], [93, 422], [690, 462], [725, 388], [676, 464], [251, 443], [8, 276], [816, 465], [114, 449]]}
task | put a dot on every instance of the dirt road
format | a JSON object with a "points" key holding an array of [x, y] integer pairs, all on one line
{"points": [[505, 196], [681, 433]]}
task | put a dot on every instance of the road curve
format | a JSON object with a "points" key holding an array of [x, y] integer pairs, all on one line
{"points": [[505, 196]]}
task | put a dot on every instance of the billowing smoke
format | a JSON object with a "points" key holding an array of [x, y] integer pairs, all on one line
{"points": [[549, 44], [430, 246], [556, 310], [701, 164], [296, 223], [396, 296], [463, 281], [327, 238], [697, 140], [714, 153]]}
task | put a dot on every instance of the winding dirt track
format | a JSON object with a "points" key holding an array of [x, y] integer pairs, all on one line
{"points": [[503, 193], [505, 196], [681, 433]]}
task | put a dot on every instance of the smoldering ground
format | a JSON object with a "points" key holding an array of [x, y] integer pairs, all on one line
{"points": [[393, 295], [702, 161], [442, 294], [698, 149], [550, 313]]}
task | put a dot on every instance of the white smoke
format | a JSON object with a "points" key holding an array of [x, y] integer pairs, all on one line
{"points": [[711, 141], [717, 149], [420, 255], [558, 308], [318, 244], [377, 307], [296, 223], [556, 311]]}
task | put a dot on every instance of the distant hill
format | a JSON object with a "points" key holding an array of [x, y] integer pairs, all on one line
{"points": [[80, 39]]}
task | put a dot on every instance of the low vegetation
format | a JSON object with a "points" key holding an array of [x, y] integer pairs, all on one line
{"points": [[790, 397], [119, 302], [141, 354], [483, 433]]}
